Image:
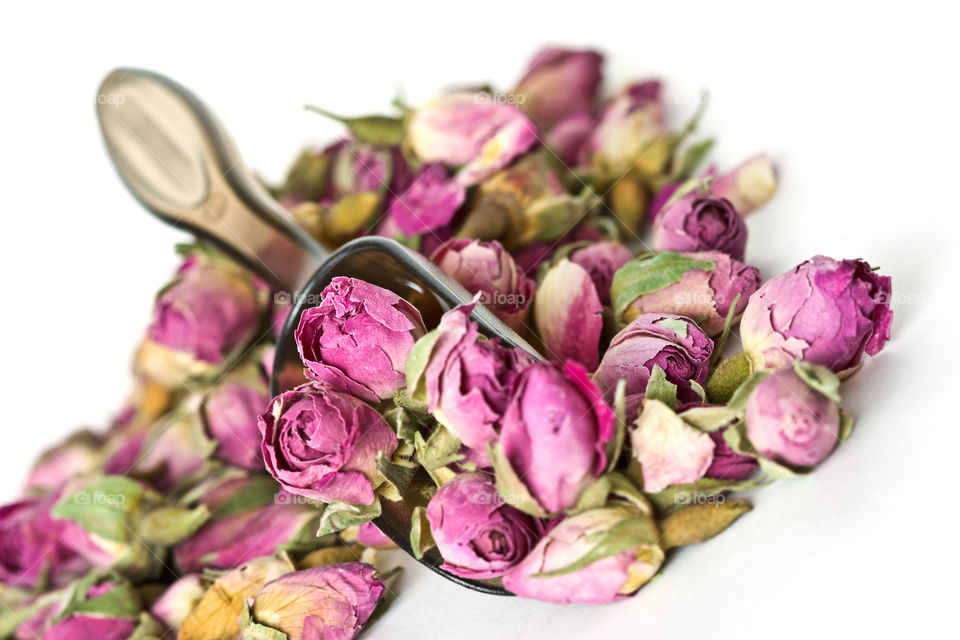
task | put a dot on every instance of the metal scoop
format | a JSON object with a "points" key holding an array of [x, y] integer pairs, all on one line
{"points": [[181, 164]]}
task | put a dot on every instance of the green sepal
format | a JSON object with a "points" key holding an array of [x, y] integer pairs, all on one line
{"points": [[648, 273], [123, 601], [382, 130], [253, 630], [615, 445], [689, 159], [659, 388], [617, 485], [510, 486], [736, 437], [104, 507], [438, 451], [721, 342], [149, 628], [417, 363], [710, 419], [733, 381], [398, 470], [338, 516], [678, 326], [627, 534], [167, 526], [682, 495], [259, 492], [698, 389], [420, 537], [819, 378], [846, 426]]}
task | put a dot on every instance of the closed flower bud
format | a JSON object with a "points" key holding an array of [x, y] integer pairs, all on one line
{"points": [[602, 260], [79, 454], [429, 203], [569, 315], [178, 600], [558, 83], [230, 412], [669, 450], [479, 535], [748, 186], [824, 311], [358, 338], [698, 222]]}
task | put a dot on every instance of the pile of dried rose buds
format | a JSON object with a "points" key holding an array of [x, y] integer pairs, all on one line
{"points": [[210, 511]]}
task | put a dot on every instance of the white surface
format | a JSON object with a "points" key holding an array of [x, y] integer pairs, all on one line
{"points": [[859, 107]]}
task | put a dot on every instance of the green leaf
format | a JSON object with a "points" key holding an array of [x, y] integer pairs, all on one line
{"points": [[659, 388], [398, 469], [103, 507], [420, 536], [649, 273], [731, 381], [510, 486], [819, 378], [709, 419], [167, 526], [338, 516], [690, 159], [700, 522], [383, 130], [120, 602], [721, 342], [417, 363], [699, 390], [846, 426], [260, 491], [678, 326], [623, 536], [438, 451], [615, 445]]}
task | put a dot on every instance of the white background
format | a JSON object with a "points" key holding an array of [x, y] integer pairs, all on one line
{"points": [[859, 106]]}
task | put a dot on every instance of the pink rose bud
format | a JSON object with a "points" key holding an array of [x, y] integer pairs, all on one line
{"points": [[230, 411], [601, 260], [469, 379], [470, 130], [270, 518], [824, 311], [429, 203], [479, 535], [569, 315], [790, 422], [702, 285], [331, 602], [79, 454], [486, 268], [749, 186], [178, 600], [727, 464], [554, 433], [558, 83], [567, 138], [697, 222], [605, 580], [630, 123], [674, 343], [33, 545], [209, 310], [323, 444], [96, 617], [370, 535], [358, 338], [669, 450]]}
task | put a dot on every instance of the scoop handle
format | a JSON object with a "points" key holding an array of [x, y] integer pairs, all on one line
{"points": [[179, 161]]}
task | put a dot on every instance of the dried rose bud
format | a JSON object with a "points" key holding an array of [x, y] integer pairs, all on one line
{"points": [[79, 454], [358, 338], [429, 203], [698, 222], [674, 343], [702, 286], [178, 600], [554, 433], [602, 260], [558, 83], [606, 579], [569, 315], [669, 450], [567, 138], [479, 535], [370, 535], [210, 310], [631, 124], [323, 444], [106, 612], [230, 412], [486, 268], [825, 311], [251, 517], [748, 186], [332, 601], [468, 379], [470, 130], [790, 422]]}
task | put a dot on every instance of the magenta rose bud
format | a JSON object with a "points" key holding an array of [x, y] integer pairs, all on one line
{"points": [[569, 315], [79, 454], [606, 580], [97, 617], [629, 124], [178, 600], [208, 311], [554, 433], [727, 464], [674, 343], [323, 444], [698, 222], [601, 260], [230, 411], [370, 535], [469, 379], [558, 83], [472, 131], [331, 602], [748, 186], [479, 535], [790, 422], [358, 338], [568, 137], [707, 287], [485, 267], [429, 203], [825, 311], [33, 545]]}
